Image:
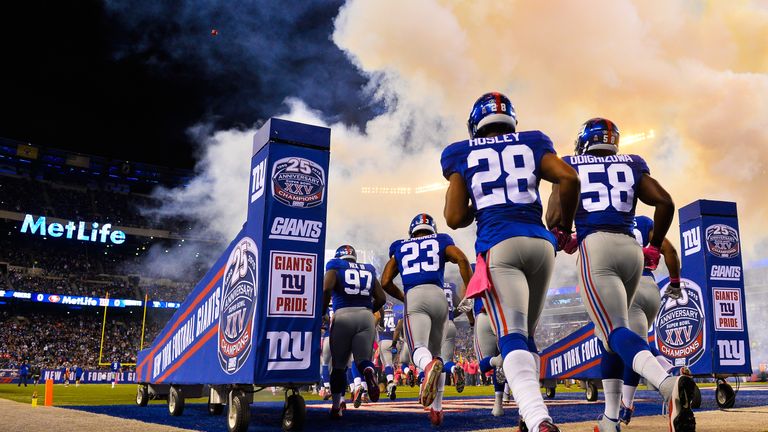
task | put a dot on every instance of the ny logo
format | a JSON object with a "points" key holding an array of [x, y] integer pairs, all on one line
{"points": [[692, 240], [731, 352], [678, 336], [727, 309], [289, 351], [294, 284], [258, 177]]}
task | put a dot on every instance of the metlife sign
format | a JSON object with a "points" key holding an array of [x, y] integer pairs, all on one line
{"points": [[83, 231]]}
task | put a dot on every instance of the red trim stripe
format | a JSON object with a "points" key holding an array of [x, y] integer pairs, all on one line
{"points": [[587, 289], [181, 317], [586, 335], [209, 334], [582, 368], [599, 302]]}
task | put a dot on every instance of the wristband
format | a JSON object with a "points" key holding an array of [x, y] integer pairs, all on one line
{"points": [[675, 282]]}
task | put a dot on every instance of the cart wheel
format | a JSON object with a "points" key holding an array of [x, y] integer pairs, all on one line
{"points": [[725, 395], [175, 401], [239, 413], [696, 401], [294, 413], [591, 391], [215, 408], [142, 395], [549, 392]]}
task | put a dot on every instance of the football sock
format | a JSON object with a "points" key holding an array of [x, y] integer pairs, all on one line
{"points": [[612, 391], [520, 370]]}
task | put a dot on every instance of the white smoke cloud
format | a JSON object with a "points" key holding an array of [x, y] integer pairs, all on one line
{"points": [[694, 72]]}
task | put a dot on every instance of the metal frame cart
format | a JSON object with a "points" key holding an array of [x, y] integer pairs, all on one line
{"points": [[254, 320]]}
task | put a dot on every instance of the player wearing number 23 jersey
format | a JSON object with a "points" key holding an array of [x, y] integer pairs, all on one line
{"points": [[610, 264], [356, 294], [420, 260], [494, 180]]}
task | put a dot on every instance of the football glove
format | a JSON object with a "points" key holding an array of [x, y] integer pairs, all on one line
{"points": [[651, 254], [562, 235], [466, 305], [674, 290], [572, 245]]}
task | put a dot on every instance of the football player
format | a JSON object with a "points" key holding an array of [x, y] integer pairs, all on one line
{"points": [[405, 355], [487, 350], [494, 179], [356, 294], [449, 337], [390, 316], [611, 263], [325, 356], [645, 307], [420, 260]]}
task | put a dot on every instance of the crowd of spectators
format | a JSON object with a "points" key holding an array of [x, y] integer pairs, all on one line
{"points": [[95, 286], [54, 339], [82, 202]]}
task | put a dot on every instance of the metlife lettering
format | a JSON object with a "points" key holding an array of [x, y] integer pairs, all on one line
{"points": [[71, 230]]}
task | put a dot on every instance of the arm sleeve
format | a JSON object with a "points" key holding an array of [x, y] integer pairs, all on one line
{"points": [[392, 249], [546, 145], [449, 161], [640, 165], [331, 265]]}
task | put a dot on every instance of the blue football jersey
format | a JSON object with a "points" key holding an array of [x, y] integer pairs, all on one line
{"points": [[642, 231], [502, 175], [389, 323], [355, 282], [421, 260], [450, 294], [608, 192]]}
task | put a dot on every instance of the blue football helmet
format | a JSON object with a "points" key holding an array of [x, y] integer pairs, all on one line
{"points": [[491, 108], [597, 134], [346, 252], [422, 221]]}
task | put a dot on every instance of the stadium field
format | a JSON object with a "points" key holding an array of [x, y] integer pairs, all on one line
{"points": [[467, 412]]}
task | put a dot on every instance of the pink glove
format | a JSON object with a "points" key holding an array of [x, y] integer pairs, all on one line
{"points": [[651, 255], [562, 237], [572, 245]]}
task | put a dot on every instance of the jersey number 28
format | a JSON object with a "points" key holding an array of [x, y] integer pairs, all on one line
{"points": [[517, 162]]}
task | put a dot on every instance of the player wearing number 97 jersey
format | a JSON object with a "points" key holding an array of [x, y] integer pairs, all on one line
{"points": [[356, 294], [420, 260], [494, 180], [610, 264]]}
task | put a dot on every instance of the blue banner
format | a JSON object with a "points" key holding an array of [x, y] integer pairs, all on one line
{"points": [[255, 317], [575, 356], [706, 330]]}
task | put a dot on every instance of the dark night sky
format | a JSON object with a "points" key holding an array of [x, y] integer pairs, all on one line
{"points": [[126, 79]]}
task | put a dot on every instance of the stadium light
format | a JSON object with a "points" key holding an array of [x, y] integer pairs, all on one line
{"points": [[638, 137]]}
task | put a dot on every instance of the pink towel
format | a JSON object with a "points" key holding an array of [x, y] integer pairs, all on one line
{"points": [[481, 280]]}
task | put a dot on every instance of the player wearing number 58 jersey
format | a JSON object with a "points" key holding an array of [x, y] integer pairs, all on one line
{"points": [[611, 262], [356, 294], [494, 180], [420, 261]]}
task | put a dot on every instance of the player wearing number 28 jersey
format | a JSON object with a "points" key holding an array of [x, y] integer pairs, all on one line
{"points": [[611, 263], [356, 294], [494, 179], [420, 261]]}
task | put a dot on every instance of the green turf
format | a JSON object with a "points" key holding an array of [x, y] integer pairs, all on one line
{"points": [[104, 394]]}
